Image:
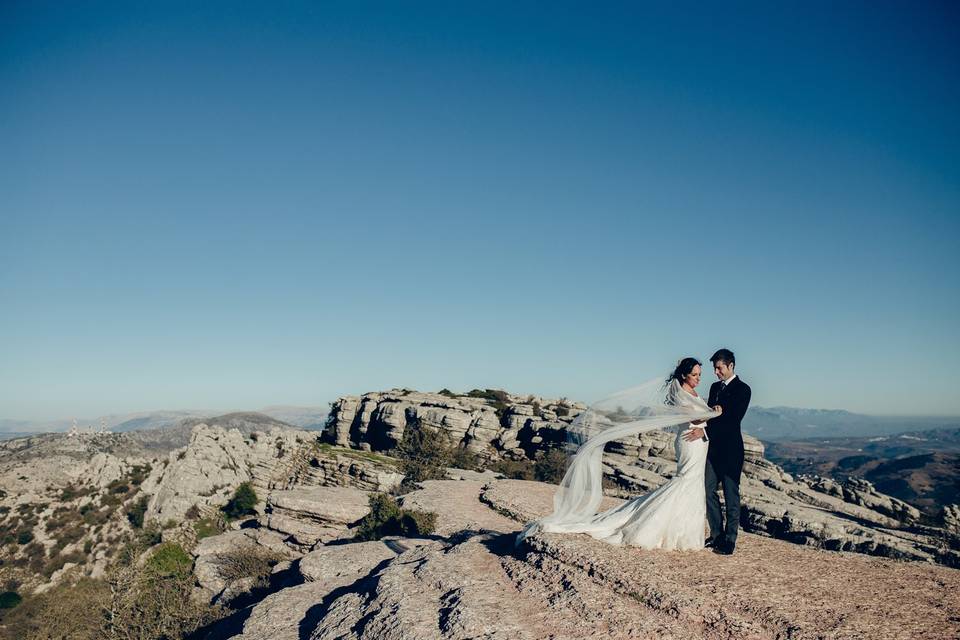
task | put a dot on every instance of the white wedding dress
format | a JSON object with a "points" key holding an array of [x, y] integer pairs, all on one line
{"points": [[669, 517]]}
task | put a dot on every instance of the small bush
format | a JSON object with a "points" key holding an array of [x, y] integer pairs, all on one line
{"points": [[9, 599], [447, 393], [387, 518], [551, 467], [193, 513], [424, 454], [136, 511], [242, 503], [139, 473], [248, 563], [463, 458], [24, 537]]}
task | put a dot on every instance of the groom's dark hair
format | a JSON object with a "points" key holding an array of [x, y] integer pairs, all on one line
{"points": [[723, 355]]}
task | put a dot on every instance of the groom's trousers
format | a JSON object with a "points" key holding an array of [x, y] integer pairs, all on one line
{"points": [[729, 477]]}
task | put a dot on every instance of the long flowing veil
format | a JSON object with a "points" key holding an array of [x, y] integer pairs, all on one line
{"points": [[646, 407]]}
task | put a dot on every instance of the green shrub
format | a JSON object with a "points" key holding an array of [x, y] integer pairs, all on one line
{"points": [[387, 518], [9, 599], [136, 511], [169, 560], [24, 537], [447, 393], [551, 467], [242, 503], [424, 454]]}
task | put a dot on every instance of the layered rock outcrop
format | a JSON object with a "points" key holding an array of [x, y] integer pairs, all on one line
{"points": [[495, 424]]}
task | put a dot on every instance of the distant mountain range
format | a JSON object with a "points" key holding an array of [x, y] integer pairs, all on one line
{"points": [[775, 424], [302, 417]]}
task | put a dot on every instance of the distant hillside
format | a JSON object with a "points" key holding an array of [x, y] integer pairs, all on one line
{"points": [[774, 424], [919, 467], [176, 436]]}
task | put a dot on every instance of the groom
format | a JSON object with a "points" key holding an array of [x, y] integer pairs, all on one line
{"points": [[725, 452]]}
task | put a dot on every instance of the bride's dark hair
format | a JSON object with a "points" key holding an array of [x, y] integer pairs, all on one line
{"points": [[684, 367]]}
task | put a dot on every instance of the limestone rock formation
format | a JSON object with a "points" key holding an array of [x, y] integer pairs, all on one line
{"points": [[472, 582], [489, 426], [308, 515]]}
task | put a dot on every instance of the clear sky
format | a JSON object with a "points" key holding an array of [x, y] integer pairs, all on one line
{"points": [[230, 205]]}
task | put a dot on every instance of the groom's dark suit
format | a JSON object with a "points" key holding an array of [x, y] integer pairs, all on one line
{"points": [[725, 457]]}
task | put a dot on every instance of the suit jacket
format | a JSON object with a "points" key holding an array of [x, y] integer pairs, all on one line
{"points": [[725, 439]]}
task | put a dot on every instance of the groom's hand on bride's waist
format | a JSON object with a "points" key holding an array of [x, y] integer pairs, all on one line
{"points": [[692, 435]]}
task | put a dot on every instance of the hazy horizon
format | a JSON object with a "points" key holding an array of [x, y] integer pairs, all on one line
{"points": [[222, 204], [86, 420]]}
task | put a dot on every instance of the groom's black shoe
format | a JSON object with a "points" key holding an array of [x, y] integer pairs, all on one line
{"points": [[724, 548], [712, 542]]}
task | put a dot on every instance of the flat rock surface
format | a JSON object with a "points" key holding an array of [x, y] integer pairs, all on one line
{"points": [[333, 505], [769, 588], [572, 586], [336, 562], [525, 500], [458, 507]]}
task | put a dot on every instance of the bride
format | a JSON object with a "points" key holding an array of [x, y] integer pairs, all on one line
{"points": [[670, 517]]}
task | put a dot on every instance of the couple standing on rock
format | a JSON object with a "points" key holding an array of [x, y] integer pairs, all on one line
{"points": [[709, 448]]}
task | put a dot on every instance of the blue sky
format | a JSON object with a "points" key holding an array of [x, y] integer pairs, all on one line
{"points": [[229, 205]]}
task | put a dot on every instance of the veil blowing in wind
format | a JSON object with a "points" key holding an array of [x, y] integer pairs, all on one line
{"points": [[646, 407]]}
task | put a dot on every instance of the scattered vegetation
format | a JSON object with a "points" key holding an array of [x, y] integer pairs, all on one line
{"points": [[71, 492], [498, 397], [550, 468], [242, 503], [387, 518], [65, 611]]}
